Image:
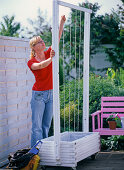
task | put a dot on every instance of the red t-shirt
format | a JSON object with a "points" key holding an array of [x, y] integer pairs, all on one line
{"points": [[43, 77]]}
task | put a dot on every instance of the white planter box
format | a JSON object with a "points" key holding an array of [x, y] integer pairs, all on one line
{"points": [[74, 147]]}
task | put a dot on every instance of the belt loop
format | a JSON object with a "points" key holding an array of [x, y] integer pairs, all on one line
{"points": [[48, 94]]}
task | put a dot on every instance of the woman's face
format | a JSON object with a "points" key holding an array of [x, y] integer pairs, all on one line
{"points": [[39, 45]]}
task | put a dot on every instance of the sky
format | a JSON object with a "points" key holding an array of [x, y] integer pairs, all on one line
{"points": [[24, 9]]}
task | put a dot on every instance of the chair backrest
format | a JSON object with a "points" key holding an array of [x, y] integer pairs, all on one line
{"points": [[112, 104]]}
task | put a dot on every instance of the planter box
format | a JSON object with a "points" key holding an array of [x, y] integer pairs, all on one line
{"points": [[74, 147]]}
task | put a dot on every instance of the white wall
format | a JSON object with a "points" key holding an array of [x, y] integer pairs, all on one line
{"points": [[16, 82]]}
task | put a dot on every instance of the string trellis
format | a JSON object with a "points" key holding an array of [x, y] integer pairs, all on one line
{"points": [[73, 28]]}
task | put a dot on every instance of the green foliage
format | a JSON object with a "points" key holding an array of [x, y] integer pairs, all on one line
{"points": [[60, 71], [116, 55], [111, 118], [104, 30], [70, 110], [9, 28], [99, 86], [116, 76], [112, 143]]}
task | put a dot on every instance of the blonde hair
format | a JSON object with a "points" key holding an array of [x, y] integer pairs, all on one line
{"points": [[33, 42]]}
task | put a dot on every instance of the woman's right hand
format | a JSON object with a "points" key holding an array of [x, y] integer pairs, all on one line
{"points": [[52, 53]]}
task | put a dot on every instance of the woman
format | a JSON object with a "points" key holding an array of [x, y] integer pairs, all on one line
{"points": [[40, 64]]}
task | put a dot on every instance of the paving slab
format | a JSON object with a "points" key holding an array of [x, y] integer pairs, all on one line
{"points": [[113, 160]]}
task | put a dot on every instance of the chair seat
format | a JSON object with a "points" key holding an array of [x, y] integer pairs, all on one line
{"points": [[107, 131]]}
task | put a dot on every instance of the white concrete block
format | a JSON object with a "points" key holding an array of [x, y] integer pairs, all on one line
{"points": [[21, 83], [21, 71], [10, 61], [21, 61], [2, 61], [13, 143], [1, 41], [10, 73], [3, 122], [23, 116], [7, 54], [22, 105], [2, 85], [22, 94], [23, 128], [11, 107], [24, 139], [11, 84], [4, 147], [20, 49], [12, 119], [28, 50], [10, 48], [2, 74], [13, 131], [3, 109], [3, 134], [3, 99], [12, 95]]}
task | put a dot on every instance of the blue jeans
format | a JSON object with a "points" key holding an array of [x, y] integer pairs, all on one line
{"points": [[42, 112]]}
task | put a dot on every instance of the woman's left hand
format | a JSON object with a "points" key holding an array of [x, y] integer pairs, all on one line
{"points": [[63, 18]]}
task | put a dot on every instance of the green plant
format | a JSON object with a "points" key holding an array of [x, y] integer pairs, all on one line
{"points": [[98, 87], [111, 118], [115, 118], [112, 143], [116, 76]]}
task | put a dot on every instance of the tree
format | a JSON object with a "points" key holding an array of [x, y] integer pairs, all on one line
{"points": [[116, 55], [9, 28], [104, 29]]}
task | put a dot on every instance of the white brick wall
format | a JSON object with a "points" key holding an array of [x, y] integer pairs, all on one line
{"points": [[15, 93]]}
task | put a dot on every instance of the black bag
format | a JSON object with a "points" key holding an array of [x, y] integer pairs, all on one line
{"points": [[19, 159]]}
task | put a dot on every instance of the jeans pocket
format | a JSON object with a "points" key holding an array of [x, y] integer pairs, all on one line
{"points": [[38, 96]]}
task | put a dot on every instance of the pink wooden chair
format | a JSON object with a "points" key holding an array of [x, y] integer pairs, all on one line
{"points": [[108, 106]]}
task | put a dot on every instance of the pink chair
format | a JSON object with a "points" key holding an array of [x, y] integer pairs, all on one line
{"points": [[108, 106]]}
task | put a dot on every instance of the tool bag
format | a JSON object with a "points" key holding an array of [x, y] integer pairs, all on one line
{"points": [[19, 159]]}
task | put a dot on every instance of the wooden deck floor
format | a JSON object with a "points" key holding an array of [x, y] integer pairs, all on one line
{"points": [[104, 161]]}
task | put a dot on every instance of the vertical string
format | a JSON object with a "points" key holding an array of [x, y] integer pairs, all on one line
{"points": [[79, 75], [64, 77], [75, 69], [69, 74]]}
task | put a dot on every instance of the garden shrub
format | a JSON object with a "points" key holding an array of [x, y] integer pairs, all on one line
{"points": [[98, 87], [112, 143]]}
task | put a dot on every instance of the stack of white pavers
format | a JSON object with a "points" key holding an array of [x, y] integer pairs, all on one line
{"points": [[15, 93]]}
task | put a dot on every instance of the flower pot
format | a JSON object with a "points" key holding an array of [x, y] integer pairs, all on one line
{"points": [[112, 125]]}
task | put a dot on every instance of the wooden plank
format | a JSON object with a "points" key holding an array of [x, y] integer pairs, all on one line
{"points": [[107, 131], [115, 98], [74, 164], [65, 4], [86, 147], [87, 154], [107, 115], [112, 110], [114, 104]]}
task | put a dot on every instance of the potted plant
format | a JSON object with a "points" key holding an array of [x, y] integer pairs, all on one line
{"points": [[112, 122]]}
